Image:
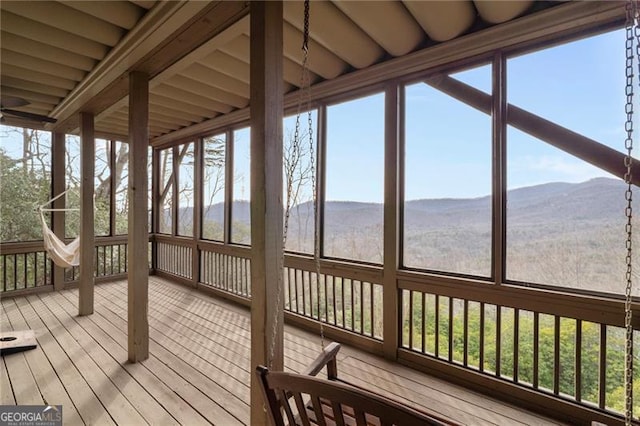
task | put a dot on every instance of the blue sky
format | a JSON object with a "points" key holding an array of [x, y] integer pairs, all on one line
{"points": [[448, 145]]}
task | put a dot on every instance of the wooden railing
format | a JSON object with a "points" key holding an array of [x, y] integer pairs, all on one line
{"points": [[24, 266], [558, 344], [110, 259], [226, 269], [348, 297], [27, 265], [174, 256]]}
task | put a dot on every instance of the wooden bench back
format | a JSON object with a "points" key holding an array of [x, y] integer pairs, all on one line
{"points": [[298, 399]]}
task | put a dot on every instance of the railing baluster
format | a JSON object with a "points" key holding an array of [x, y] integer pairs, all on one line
{"points": [[603, 367], [516, 337], [481, 336], [536, 349], [361, 306], [465, 349], [333, 288], [411, 319], [437, 328], [498, 339], [450, 314], [556, 355], [578, 370]]}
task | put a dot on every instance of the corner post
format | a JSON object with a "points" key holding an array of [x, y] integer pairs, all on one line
{"points": [[87, 231], [138, 240], [266, 194], [58, 184], [392, 199]]}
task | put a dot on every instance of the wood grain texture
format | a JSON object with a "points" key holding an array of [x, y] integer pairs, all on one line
{"points": [[87, 231], [198, 371], [138, 243]]}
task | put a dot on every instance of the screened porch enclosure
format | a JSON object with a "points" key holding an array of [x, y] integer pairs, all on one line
{"points": [[451, 196]]}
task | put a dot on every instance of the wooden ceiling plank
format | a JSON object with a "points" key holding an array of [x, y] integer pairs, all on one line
{"points": [[146, 4], [37, 77], [198, 88], [17, 83], [158, 122], [191, 98], [121, 13], [443, 20], [30, 62], [43, 51], [173, 112], [160, 39], [239, 49], [35, 109], [387, 22], [157, 116], [67, 19], [496, 12], [170, 102], [29, 95], [52, 36], [322, 62], [228, 64], [204, 74], [360, 51]]}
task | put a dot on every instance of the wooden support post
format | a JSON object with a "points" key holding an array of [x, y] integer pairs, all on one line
{"points": [[498, 115], [198, 182], [266, 195], [392, 201], [155, 206], [58, 186], [138, 256], [87, 231], [228, 186]]}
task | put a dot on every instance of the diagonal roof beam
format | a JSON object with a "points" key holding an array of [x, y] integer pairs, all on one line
{"points": [[573, 143]]}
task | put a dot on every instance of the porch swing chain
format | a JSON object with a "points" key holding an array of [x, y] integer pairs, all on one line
{"points": [[632, 29]]}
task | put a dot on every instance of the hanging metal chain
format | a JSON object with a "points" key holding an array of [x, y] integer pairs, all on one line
{"points": [[632, 34]]}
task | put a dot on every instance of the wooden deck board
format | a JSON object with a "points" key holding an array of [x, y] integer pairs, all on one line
{"points": [[6, 392], [140, 399], [48, 382], [150, 378], [203, 394], [198, 370], [85, 401]]}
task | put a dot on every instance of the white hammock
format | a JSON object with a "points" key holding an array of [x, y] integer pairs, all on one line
{"points": [[63, 255]]}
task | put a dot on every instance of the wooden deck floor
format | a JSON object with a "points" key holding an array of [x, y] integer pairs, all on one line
{"points": [[198, 371]]}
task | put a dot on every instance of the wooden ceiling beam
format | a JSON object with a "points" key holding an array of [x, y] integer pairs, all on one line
{"points": [[204, 89], [30, 96], [124, 14], [37, 77], [567, 19], [15, 43], [66, 19], [166, 32], [49, 35], [18, 83], [213, 77], [50, 68]]}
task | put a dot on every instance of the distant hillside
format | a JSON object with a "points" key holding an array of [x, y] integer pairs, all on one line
{"points": [[569, 234]]}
